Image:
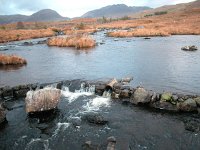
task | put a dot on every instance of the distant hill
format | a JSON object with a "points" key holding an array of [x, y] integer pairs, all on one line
{"points": [[40, 16], [169, 9], [114, 11]]}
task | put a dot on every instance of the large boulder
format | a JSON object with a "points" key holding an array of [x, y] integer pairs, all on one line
{"points": [[2, 114], [42, 100], [140, 96], [188, 105]]}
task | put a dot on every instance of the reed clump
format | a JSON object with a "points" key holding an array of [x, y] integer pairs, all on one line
{"points": [[11, 60]]}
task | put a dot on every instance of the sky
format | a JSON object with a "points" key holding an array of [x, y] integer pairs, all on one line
{"points": [[73, 8]]}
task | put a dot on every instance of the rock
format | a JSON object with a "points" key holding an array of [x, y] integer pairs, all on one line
{"points": [[111, 143], [99, 89], [114, 95], [127, 79], [175, 98], [42, 100], [7, 92], [27, 43], [2, 114], [42, 42], [124, 94], [95, 118], [89, 146], [20, 93], [167, 97], [164, 106], [140, 96], [188, 105], [189, 48], [192, 124], [147, 38], [153, 96], [197, 99]]}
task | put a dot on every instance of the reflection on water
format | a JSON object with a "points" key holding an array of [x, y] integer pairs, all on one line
{"points": [[158, 64], [11, 67]]}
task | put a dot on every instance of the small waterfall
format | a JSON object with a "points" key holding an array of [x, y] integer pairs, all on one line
{"points": [[85, 90], [107, 93]]}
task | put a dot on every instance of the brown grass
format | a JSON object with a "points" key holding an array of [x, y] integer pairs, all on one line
{"points": [[16, 35], [11, 60], [176, 23], [79, 41]]}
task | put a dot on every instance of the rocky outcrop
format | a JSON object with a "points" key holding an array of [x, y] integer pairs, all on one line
{"points": [[111, 143], [140, 96], [42, 100]]}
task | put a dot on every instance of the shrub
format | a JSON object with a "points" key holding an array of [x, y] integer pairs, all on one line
{"points": [[160, 13], [20, 25]]}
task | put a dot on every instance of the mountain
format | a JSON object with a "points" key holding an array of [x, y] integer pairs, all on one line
{"points": [[40, 16], [178, 8], [118, 10]]}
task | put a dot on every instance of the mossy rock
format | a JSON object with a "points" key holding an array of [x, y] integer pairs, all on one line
{"points": [[167, 97]]}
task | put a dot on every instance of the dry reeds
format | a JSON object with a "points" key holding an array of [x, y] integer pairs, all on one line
{"points": [[11, 60], [80, 41]]}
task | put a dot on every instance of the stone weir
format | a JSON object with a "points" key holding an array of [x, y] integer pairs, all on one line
{"points": [[44, 97]]}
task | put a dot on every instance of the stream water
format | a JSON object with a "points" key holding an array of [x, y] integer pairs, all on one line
{"points": [[157, 64], [133, 127]]}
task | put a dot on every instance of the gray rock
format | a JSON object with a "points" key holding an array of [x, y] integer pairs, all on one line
{"points": [[111, 143], [7, 92], [175, 97], [124, 94], [197, 99], [140, 96], [187, 106]]}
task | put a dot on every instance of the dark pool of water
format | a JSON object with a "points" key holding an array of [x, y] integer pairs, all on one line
{"points": [[134, 128], [158, 64]]}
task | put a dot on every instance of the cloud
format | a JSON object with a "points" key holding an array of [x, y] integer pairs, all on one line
{"points": [[72, 8]]}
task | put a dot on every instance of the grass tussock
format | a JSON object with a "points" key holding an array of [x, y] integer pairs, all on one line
{"points": [[78, 42], [11, 60]]}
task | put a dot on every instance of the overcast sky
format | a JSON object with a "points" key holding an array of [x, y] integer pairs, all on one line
{"points": [[73, 8]]}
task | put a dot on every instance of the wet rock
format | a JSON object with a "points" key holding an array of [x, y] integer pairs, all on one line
{"points": [[175, 97], [124, 94], [99, 89], [2, 114], [7, 92], [154, 96], [147, 38], [192, 124], [95, 118], [89, 146], [42, 42], [189, 48], [114, 95], [164, 106], [42, 100], [127, 80], [187, 106], [140, 96], [21, 92], [111, 143], [27, 43], [197, 99]]}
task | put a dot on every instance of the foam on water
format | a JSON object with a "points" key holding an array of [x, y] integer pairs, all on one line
{"points": [[97, 103], [30, 145], [61, 127], [84, 91]]}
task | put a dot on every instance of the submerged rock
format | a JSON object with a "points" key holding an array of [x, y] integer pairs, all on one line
{"points": [[42, 100], [140, 96], [189, 48], [95, 118], [2, 114], [188, 105], [111, 143]]}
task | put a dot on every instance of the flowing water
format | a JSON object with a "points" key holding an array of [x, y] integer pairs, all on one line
{"points": [[66, 129], [157, 64]]}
